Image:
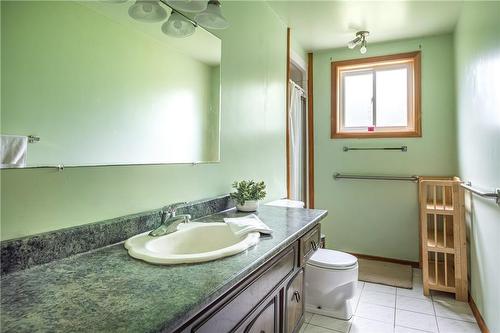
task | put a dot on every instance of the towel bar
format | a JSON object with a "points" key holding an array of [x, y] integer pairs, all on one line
{"points": [[375, 177], [490, 195]]}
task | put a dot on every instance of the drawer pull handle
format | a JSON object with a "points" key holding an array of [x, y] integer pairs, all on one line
{"points": [[314, 245], [296, 296]]}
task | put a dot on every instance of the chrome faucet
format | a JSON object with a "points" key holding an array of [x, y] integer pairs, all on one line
{"points": [[168, 215]]}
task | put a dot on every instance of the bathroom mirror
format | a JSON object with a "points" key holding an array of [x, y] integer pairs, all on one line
{"points": [[101, 83]]}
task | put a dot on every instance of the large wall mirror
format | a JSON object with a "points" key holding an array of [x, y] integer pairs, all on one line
{"points": [[96, 84]]}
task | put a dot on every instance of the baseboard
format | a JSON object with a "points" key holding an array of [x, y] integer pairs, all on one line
{"points": [[480, 321], [414, 264]]}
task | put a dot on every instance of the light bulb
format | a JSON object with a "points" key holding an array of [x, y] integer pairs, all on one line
{"points": [[363, 47], [212, 17], [148, 11], [352, 44], [178, 26]]}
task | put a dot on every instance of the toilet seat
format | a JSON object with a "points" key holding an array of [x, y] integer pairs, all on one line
{"points": [[334, 260]]}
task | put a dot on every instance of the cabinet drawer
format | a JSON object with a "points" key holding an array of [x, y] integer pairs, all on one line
{"points": [[265, 320], [295, 302], [308, 244], [240, 305]]}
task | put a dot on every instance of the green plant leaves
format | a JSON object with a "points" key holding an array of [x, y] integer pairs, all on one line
{"points": [[248, 190]]}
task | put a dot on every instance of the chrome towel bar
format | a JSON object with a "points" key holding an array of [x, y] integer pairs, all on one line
{"points": [[375, 177], [490, 195], [402, 148]]}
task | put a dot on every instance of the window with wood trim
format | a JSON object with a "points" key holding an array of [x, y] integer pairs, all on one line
{"points": [[376, 97]]}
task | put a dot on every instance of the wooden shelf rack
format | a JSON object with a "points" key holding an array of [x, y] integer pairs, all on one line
{"points": [[443, 236]]}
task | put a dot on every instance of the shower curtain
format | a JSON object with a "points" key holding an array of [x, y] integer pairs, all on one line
{"points": [[296, 123]]}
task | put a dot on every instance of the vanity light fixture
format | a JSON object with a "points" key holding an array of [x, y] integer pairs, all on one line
{"points": [[359, 40], [148, 11], [178, 26], [189, 6], [212, 16]]}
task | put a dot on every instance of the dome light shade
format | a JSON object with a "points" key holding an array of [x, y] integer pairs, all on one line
{"points": [[178, 26], [212, 17], [147, 11], [189, 6]]}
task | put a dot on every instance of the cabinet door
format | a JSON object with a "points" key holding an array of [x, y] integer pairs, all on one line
{"points": [[267, 320], [295, 302]]}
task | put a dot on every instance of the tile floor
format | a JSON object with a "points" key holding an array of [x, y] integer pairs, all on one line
{"points": [[384, 309]]}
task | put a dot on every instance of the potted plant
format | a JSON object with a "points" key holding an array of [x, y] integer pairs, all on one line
{"points": [[248, 194]]}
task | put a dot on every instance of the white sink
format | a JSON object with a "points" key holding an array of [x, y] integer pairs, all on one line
{"points": [[192, 242]]}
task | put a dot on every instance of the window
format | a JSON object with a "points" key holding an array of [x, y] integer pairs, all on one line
{"points": [[376, 97]]}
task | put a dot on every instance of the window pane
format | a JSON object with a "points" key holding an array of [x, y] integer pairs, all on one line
{"points": [[392, 99], [358, 93]]}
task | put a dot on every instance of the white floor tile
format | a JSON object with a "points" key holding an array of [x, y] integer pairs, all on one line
{"points": [[363, 325], [416, 292], [416, 320], [374, 297], [307, 317], [375, 312], [303, 328], [453, 326], [379, 288], [401, 329], [331, 323], [453, 310], [316, 329], [415, 305]]}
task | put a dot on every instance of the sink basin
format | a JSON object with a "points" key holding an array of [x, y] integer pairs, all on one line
{"points": [[192, 242]]}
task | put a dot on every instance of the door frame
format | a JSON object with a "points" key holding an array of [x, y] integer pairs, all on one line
{"points": [[292, 57]]}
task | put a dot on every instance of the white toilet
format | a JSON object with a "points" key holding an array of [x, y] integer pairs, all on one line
{"points": [[331, 279]]}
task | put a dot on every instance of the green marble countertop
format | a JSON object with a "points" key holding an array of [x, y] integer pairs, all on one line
{"points": [[107, 290]]}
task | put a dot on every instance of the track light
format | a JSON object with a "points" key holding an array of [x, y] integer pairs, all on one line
{"points": [[359, 40]]}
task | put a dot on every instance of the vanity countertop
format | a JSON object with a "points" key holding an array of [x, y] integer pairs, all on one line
{"points": [[106, 290]]}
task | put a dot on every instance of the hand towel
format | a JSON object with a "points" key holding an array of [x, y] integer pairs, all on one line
{"points": [[250, 223], [14, 151]]}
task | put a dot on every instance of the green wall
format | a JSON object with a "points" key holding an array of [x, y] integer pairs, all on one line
{"points": [[381, 218], [477, 47], [252, 144]]}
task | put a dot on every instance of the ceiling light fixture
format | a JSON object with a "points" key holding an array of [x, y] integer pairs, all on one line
{"points": [[360, 39], [147, 11], [178, 26], [212, 16], [189, 6]]}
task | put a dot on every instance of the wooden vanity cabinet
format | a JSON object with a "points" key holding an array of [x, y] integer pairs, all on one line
{"points": [[269, 300], [295, 302]]}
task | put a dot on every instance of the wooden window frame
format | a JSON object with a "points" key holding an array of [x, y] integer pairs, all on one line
{"points": [[337, 66]]}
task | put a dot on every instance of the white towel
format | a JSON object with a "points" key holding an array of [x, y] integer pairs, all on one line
{"points": [[243, 225], [14, 151]]}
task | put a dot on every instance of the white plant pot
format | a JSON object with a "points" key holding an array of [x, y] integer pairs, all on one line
{"points": [[249, 206]]}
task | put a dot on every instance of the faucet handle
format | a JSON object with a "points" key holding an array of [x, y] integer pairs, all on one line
{"points": [[170, 209]]}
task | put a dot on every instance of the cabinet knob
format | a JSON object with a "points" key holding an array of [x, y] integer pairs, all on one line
{"points": [[314, 245]]}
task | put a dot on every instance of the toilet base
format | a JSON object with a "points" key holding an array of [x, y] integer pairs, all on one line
{"points": [[343, 312]]}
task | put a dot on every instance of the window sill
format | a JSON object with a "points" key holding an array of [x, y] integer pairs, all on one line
{"points": [[375, 135]]}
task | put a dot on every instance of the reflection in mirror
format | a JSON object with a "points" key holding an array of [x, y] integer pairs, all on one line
{"points": [[100, 83]]}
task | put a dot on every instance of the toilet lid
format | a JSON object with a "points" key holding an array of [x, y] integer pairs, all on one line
{"points": [[332, 259]]}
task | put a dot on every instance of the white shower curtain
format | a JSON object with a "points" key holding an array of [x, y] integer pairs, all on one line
{"points": [[296, 123]]}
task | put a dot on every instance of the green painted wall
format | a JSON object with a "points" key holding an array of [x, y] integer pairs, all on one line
{"points": [[477, 47], [381, 218], [252, 144], [297, 47]]}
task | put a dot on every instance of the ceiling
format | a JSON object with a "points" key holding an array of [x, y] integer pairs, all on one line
{"points": [[319, 25]]}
